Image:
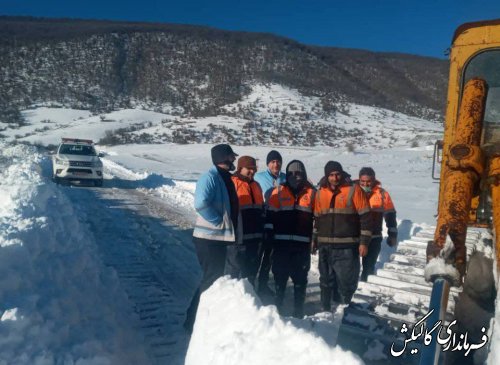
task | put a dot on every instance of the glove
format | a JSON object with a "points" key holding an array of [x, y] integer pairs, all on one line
{"points": [[392, 240]]}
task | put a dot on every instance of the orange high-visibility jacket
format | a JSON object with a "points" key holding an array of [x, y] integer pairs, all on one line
{"points": [[251, 205], [382, 206], [342, 216], [289, 216]]}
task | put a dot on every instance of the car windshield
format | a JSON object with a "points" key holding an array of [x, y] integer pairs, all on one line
{"points": [[77, 149]]}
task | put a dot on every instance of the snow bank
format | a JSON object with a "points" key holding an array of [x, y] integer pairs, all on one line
{"points": [[232, 327], [59, 304], [178, 193], [438, 266]]}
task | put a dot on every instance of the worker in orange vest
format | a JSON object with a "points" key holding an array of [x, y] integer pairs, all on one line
{"points": [[289, 224], [342, 234], [382, 208], [243, 257]]}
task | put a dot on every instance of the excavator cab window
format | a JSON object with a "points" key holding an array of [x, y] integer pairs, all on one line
{"points": [[437, 159], [491, 127], [486, 65]]}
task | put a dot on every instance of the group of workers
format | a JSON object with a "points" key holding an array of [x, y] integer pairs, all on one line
{"points": [[250, 223]]}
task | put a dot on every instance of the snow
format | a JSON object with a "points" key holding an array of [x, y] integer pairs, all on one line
{"points": [[49, 125], [437, 267], [270, 115], [404, 172], [9, 315], [253, 333], [375, 352], [64, 302], [59, 303]]}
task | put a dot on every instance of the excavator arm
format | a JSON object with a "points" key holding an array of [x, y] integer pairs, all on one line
{"points": [[469, 193], [461, 175]]}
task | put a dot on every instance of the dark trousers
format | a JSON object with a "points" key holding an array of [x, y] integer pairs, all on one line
{"points": [[291, 261], [338, 274], [370, 259], [265, 254], [212, 259], [243, 261]]}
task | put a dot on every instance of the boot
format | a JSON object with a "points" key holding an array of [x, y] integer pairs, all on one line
{"points": [[326, 298], [299, 294], [279, 297]]}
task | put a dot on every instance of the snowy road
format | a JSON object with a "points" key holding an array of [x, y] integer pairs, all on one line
{"points": [[104, 275], [146, 240], [142, 239]]}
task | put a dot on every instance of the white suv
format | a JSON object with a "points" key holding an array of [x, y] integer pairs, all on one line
{"points": [[76, 159]]}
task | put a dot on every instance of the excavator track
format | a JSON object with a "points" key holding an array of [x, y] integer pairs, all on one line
{"points": [[398, 294]]}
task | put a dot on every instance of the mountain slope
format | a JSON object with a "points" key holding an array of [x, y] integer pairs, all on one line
{"points": [[104, 66]]}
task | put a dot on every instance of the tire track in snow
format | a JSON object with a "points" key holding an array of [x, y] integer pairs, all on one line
{"points": [[152, 257]]}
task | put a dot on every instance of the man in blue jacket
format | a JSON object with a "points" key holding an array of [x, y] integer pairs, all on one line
{"points": [[216, 205], [268, 180]]}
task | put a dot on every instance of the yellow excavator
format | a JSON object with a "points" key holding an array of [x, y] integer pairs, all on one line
{"points": [[469, 194]]}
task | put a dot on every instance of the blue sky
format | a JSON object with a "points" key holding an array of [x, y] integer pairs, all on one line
{"points": [[423, 27]]}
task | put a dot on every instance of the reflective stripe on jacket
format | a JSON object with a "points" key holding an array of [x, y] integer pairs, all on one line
{"points": [[251, 205], [382, 206], [213, 208], [289, 216], [342, 216]]}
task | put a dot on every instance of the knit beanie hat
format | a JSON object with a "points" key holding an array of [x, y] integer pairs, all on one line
{"points": [[273, 155], [332, 166], [221, 152], [367, 171], [248, 162]]}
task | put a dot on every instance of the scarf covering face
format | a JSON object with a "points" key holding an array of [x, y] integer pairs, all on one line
{"points": [[296, 175]]}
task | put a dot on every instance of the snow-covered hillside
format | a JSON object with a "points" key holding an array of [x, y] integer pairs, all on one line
{"points": [[270, 115]]}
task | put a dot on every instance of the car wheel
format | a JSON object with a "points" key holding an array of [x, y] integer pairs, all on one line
{"points": [[56, 179], [98, 182]]}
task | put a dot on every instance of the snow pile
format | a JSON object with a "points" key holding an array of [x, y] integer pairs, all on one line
{"points": [[437, 267], [232, 327], [59, 304], [178, 193], [375, 351]]}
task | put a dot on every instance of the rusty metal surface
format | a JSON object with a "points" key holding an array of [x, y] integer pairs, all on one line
{"points": [[494, 181], [469, 40], [483, 32], [460, 175]]}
